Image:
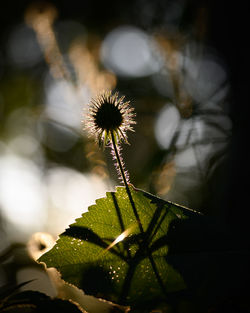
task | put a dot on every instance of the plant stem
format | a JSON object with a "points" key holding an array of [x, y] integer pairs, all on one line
{"points": [[119, 162], [122, 171]]}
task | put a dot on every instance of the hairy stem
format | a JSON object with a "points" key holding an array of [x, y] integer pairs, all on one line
{"points": [[119, 161], [123, 175]]}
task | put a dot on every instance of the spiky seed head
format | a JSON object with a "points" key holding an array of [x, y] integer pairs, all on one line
{"points": [[109, 114]]}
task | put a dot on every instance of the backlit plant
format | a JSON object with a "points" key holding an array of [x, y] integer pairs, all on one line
{"points": [[118, 249]]}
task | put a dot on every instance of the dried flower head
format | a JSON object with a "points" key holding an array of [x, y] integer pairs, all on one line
{"points": [[110, 116]]}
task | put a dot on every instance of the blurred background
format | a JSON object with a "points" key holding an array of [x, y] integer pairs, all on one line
{"points": [[183, 66]]}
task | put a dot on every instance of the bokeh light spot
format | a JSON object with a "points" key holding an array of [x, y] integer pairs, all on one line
{"points": [[21, 195], [166, 125], [128, 52]]}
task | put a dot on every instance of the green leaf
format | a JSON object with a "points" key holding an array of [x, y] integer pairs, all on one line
{"points": [[133, 270]]}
